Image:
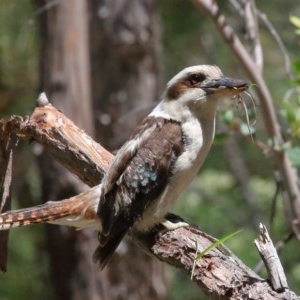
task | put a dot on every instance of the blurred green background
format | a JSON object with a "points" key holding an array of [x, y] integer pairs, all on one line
{"points": [[215, 200]]}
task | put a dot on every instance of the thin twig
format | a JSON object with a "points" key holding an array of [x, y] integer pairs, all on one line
{"points": [[253, 33], [287, 62]]}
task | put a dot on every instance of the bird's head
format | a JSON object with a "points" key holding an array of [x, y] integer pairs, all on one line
{"points": [[198, 87], [198, 82]]}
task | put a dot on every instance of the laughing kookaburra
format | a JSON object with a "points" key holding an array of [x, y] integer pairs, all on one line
{"points": [[154, 166]]}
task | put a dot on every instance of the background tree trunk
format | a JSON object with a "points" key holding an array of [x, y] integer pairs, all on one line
{"points": [[125, 46], [65, 77], [125, 74]]}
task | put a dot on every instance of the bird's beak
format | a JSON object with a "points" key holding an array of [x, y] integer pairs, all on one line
{"points": [[225, 86]]}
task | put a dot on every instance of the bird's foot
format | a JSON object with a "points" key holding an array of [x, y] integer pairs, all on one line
{"points": [[172, 222]]}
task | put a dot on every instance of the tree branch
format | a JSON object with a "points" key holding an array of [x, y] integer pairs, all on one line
{"points": [[7, 144], [219, 273], [271, 260], [69, 145]]}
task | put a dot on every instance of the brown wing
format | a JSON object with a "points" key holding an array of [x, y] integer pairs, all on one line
{"points": [[138, 176]]}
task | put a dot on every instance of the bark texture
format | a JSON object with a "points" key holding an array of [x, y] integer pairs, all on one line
{"points": [[65, 76]]}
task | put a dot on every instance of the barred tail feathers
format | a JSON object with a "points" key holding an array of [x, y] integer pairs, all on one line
{"points": [[78, 211], [43, 213]]}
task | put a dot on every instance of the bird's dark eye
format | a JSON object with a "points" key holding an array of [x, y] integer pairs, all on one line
{"points": [[196, 78]]}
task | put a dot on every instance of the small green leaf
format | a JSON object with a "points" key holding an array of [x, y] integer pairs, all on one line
{"points": [[296, 65], [295, 21], [212, 246], [227, 116], [253, 85], [217, 243], [289, 113], [246, 130]]}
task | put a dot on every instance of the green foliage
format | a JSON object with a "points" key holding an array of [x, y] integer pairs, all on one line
{"points": [[18, 56], [291, 109], [294, 156], [27, 274], [296, 22]]}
